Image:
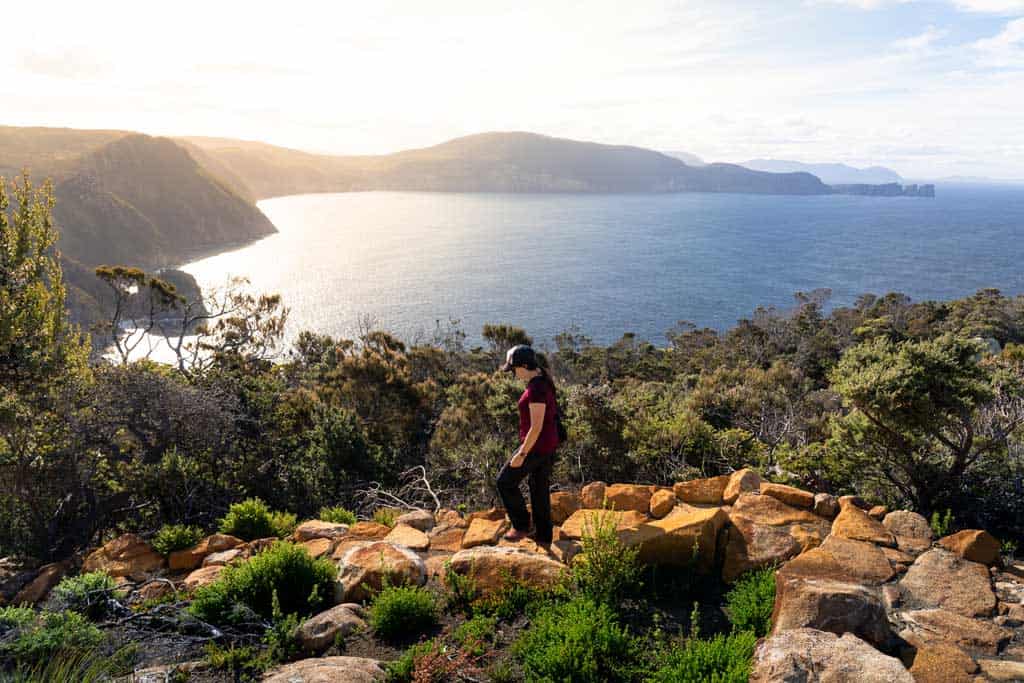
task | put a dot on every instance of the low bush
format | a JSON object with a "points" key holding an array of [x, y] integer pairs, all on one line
{"points": [[605, 571], [941, 523], [47, 635], [513, 597], [401, 670], [403, 611], [579, 641], [750, 602], [252, 519], [337, 515], [722, 659], [477, 635], [88, 594], [172, 537], [301, 584], [90, 666], [386, 516]]}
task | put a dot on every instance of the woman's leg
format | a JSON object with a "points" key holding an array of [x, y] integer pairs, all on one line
{"points": [[540, 498], [508, 488]]}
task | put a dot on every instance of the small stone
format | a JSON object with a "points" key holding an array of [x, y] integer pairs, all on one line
{"points": [[318, 633], [224, 557], [856, 501], [974, 545], [741, 481], [878, 512], [852, 522], [202, 577], [410, 537], [450, 518], [446, 538], [826, 505], [316, 528], [702, 491], [592, 495], [484, 532], [790, 495], [318, 547], [912, 531], [563, 504], [193, 557], [370, 531], [662, 503], [363, 568], [417, 519]]}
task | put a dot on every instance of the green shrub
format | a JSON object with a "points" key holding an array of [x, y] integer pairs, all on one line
{"points": [[461, 591], [386, 516], [750, 602], [172, 537], [477, 635], [337, 515], [252, 519], [403, 610], [283, 523], [301, 584], [45, 636], [941, 523], [88, 594], [15, 617], [605, 571], [722, 659], [400, 670], [578, 641], [513, 597]]}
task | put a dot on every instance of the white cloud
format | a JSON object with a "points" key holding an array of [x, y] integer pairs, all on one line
{"points": [[991, 6], [1005, 49], [921, 42]]}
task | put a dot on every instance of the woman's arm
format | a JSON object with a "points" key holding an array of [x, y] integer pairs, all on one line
{"points": [[536, 425]]}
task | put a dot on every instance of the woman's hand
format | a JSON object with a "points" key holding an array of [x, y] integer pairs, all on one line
{"points": [[517, 459]]}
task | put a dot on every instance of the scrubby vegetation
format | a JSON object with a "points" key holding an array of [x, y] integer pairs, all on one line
{"points": [[88, 594], [284, 576], [173, 537], [403, 611], [915, 405]]}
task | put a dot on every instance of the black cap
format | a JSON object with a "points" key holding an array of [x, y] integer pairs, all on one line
{"points": [[519, 356]]}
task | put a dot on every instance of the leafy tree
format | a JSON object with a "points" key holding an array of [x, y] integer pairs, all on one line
{"points": [[921, 416], [43, 368]]}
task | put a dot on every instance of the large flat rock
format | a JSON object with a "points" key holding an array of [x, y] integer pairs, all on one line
{"points": [[806, 655], [687, 535], [363, 567], [938, 578], [328, 670], [940, 625], [765, 531], [841, 559], [492, 566], [834, 606]]}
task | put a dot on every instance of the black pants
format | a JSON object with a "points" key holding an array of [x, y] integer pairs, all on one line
{"points": [[537, 467]]}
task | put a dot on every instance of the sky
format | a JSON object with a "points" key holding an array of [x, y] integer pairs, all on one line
{"points": [[930, 88]]}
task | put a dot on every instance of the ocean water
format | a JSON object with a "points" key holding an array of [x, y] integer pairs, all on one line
{"points": [[609, 264]]}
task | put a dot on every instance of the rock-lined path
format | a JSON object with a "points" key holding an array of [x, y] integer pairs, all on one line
{"points": [[862, 594]]}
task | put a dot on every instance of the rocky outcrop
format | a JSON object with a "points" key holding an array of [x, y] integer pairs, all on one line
{"points": [[810, 655], [942, 663], [912, 532], [835, 606], [942, 626], [193, 557], [316, 528], [662, 503], [127, 556], [974, 545], [687, 535], [363, 568], [941, 579], [483, 532], [628, 497], [563, 504], [491, 567], [766, 531], [417, 519], [585, 520], [854, 523], [592, 495], [328, 670], [410, 537], [788, 494]]}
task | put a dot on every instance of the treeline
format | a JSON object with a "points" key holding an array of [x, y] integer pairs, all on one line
{"points": [[912, 404]]}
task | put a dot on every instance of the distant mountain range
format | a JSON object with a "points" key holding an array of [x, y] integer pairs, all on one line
{"points": [[831, 174], [131, 199], [490, 162]]}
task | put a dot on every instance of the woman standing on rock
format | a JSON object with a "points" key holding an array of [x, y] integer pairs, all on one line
{"points": [[538, 437]]}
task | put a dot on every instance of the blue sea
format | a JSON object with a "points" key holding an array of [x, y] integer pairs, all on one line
{"points": [[608, 264]]}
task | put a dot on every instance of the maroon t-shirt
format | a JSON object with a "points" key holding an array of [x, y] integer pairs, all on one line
{"points": [[539, 390]]}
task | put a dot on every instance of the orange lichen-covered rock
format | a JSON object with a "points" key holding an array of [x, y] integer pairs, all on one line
{"points": [[702, 491], [127, 555]]}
